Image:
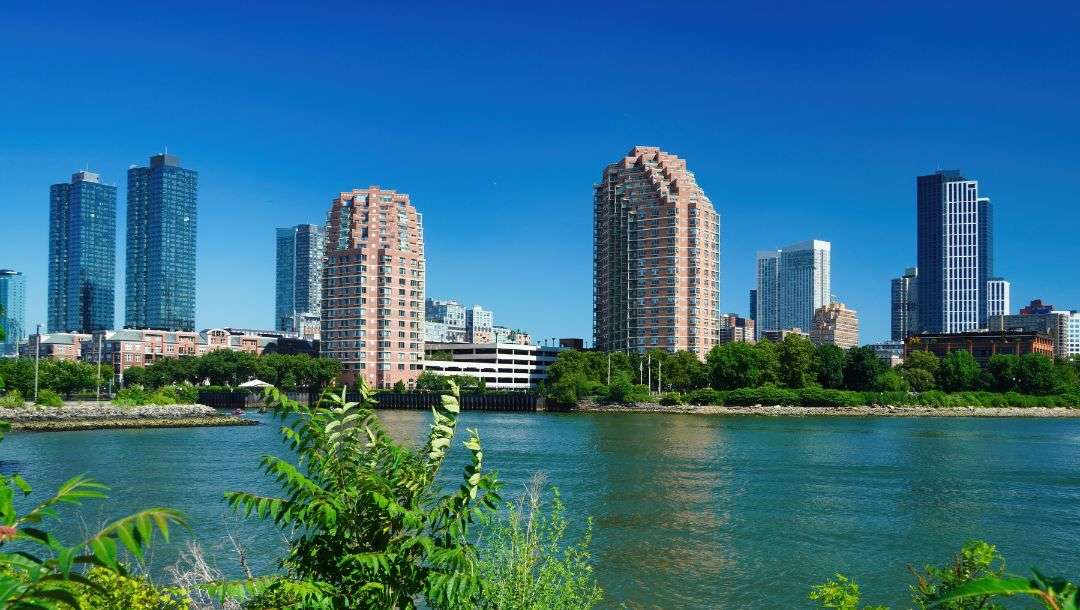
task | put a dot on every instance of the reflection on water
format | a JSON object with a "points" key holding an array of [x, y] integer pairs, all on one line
{"points": [[689, 511]]}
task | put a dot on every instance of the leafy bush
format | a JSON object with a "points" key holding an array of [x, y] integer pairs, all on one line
{"points": [[12, 400], [527, 566], [818, 397], [672, 398], [975, 580], [49, 398], [113, 591], [137, 396], [373, 531], [765, 395]]}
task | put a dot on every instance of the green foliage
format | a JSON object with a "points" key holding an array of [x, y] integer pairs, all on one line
{"points": [[12, 400], [819, 397], [830, 359], [1036, 375], [374, 531], [135, 396], [48, 398], [919, 380], [61, 376], [673, 398], [439, 355], [527, 565], [442, 384], [959, 371], [976, 560], [861, 368], [42, 572], [891, 381], [765, 395], [741, 365], [1002, 371], [623, 390], [108, 590], [798, 361], [975, 580]]}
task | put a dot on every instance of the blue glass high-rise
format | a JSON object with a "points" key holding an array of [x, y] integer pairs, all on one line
{"points": [[161, 228], [12, 310], [82, 254], [299, 274], [955, 244]]}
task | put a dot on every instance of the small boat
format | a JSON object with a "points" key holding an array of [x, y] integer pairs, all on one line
{"points": [[238, 412]]}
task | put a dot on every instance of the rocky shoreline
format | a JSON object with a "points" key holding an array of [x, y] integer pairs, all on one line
{"points": [[94, 416], [861, 411]]}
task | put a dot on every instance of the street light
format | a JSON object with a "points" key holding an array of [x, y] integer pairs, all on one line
{"points": [[37, 359]]}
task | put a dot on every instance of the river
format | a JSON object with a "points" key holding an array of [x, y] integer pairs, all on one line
{"points": [[689, 511]]}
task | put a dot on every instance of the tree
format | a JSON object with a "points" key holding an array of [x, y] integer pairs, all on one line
{"points": [[373, 529], [399, 387], [1003, 371], [920, 369], [798, 361], [1036, 375], [861, 368], [891, 381], [735, 365], [959, 372], [830, 360]]}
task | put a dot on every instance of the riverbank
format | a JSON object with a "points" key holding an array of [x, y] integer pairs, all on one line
{"points": [[96, 416], [860, 411]]}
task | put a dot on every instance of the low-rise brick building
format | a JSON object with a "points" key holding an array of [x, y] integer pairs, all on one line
{"points": [[982, 344]]}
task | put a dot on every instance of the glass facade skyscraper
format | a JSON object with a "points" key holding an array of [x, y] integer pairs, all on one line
{"points": [[905, 304], [299, 274], [12, 310], [955, 252], [82, 254], [161, 221], [793, 282]]}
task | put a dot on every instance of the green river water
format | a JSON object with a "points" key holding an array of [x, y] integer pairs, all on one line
{"points": [[689, 511]]}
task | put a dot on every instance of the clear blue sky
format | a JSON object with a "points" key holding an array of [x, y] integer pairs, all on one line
{"points": [[498, 118]]}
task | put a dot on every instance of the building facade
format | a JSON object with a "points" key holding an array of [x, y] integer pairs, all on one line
{"points": [[12, 311], [479, 325], [373, 287], [734, 329], [58, 346], [447, 318], [997, 297], [835, 324], [299, 274], [955, 252], [982, 344], [793, 282], [161, 230], [1062, 326], [766, 298], [501, 366], [656, 257], [905, 304], [82, 254]]}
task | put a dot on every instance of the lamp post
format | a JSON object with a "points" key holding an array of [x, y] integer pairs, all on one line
{"points": [[37, 360]]}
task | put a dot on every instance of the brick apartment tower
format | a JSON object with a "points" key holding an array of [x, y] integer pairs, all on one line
{"points": [[373, 287], [656, 257]]}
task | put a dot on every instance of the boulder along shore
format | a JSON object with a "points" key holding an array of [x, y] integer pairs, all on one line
{"points": [[860, 411], [94, 416]]}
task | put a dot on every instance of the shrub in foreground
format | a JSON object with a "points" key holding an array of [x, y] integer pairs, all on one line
{"points": [[526, 564], [975, 580], [705, 396], [373, 528], [48, 398], [12, 400], [673, 398]]}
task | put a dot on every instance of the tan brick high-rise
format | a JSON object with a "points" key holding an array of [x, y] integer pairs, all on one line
{"points": [[373, 287], [656, 257]]}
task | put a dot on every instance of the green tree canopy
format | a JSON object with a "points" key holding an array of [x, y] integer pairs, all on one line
{"points": [[959, 371], [861, 368]]}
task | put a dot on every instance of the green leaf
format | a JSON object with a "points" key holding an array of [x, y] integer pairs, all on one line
{"points": [[989, 586]]}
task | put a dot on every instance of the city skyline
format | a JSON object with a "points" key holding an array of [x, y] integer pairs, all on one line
{"points": [[748, 148]]}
